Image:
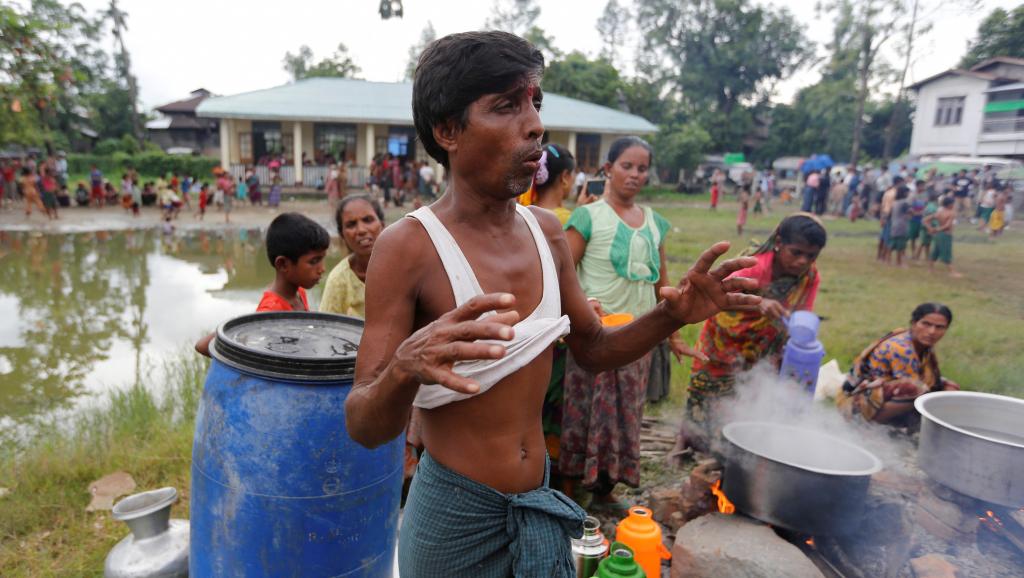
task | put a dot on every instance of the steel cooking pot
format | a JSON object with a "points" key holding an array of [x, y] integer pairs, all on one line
{"points": [[800, 479], [974, 443]]}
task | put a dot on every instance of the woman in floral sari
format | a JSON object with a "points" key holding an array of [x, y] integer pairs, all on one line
{"points": [[890, 374], [734, 341]]}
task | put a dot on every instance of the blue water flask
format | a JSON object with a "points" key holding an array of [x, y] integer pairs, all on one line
{"points": [[802, 354]]}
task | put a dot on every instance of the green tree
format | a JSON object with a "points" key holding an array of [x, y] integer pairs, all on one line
{"points": [[427, 36], [721, 55], [577, 76], [680, 146], [49, 62], [297, 65], [613, 26], [543, 42], [866, 26], [515, 16], [999, 34], [123, 64], [337, 65]]}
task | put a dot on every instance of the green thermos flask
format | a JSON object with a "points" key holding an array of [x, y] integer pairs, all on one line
{"points": [[619, 564]]}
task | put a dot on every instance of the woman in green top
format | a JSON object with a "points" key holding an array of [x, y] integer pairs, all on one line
{"points": [[619, 250]]}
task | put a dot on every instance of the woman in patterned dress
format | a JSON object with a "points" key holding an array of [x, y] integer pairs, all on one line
{"points": [[890, 374], [619, 250], [732, 342]]}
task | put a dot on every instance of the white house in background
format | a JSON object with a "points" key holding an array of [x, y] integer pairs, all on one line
{"points": [[314, 120], [976, 112]]}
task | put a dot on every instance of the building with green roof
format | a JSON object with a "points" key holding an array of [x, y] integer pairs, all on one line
{"points": [[311, 122]]}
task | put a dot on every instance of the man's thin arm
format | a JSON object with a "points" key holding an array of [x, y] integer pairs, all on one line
{"points": [[378, 407]]}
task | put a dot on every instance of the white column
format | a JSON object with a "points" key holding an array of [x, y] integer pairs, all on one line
{"points": [[369, 142], [297, 146], [571, 144], [225, 144]]}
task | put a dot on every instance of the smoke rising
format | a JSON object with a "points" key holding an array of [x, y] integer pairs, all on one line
{"points": [[761, 394]]}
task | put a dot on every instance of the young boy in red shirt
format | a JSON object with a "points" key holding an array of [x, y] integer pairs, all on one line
{"points": [[296, 247]]}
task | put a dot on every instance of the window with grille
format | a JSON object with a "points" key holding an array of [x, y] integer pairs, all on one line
{"points": [[949, 111], [245, 147], [334, 141]]}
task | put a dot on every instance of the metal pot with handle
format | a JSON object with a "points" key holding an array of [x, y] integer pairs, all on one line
{"points": [[797, 478], [974, 443]]}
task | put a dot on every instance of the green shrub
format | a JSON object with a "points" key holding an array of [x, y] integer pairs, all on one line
{"points": [[147, 163]]}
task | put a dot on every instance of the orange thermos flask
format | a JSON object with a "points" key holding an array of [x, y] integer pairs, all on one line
{"points": [[640, 532]]}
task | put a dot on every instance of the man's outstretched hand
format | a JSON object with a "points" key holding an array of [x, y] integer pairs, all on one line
{"points": [[703, 292]]}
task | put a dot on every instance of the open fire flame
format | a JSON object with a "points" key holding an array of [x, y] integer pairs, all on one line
{"points": [[991, 517], [724, 505]]}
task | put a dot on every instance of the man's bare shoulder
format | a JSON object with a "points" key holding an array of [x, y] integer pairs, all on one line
{"points": [[401, 247]]}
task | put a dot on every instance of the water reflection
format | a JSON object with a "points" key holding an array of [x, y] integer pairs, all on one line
{"points": [[82, 313]]}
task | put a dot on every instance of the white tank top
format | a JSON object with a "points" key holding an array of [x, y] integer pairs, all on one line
{"points": [[533, 335]]}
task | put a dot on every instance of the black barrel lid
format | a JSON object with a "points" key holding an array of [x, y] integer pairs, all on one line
{"points": [[290, 345]]}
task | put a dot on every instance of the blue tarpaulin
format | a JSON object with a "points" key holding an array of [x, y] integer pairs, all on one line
{"points": [[816, 163]]}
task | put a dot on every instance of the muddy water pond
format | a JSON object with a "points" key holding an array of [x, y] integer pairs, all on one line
{"points": [[83, 313]]}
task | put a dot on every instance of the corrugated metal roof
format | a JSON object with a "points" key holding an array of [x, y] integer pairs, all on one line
{"points": [[1007, 87], [356, 101]]}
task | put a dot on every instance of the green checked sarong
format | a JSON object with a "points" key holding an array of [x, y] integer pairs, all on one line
{"points": [[454, 526]]}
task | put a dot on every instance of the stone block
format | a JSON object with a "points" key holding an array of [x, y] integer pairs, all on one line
{"points": [[664, 503], [717, 545], [897, 482], [933, 566], [676, 521], [950, 513], [941, 530]]}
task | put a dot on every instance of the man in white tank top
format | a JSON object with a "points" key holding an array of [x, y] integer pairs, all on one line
{"points": [[467, 297]]}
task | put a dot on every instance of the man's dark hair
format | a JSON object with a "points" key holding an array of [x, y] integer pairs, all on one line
{"points": [[292, 235], [454, 71]]}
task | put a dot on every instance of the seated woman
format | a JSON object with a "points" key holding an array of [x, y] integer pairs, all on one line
{"points": [[889, 375], [734, 341]]}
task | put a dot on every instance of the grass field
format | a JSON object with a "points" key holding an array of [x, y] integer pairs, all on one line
{"points": [[862, 299], [44, 530]]}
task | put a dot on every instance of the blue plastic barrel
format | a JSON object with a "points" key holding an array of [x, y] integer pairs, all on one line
{"points": [[278, 487]]}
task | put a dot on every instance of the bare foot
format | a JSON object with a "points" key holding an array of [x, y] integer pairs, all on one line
{"points": [[955, 275]]}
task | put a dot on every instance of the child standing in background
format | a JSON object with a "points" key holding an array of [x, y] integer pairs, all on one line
{"points": [[242, 190], [997, 220], [900, 226], [741, 216], [714, 195], [204, 198], [940, 225], [274, 199]]}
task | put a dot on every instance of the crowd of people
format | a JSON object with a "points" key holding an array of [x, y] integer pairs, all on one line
{"points": [[400, 179], [916, 212], [43, 184]]}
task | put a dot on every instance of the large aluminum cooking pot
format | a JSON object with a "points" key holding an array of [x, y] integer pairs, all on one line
{"points": [[797, 478], [974, 443]]}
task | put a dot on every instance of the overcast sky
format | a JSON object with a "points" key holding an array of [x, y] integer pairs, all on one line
{"points": [[232, 47]]}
